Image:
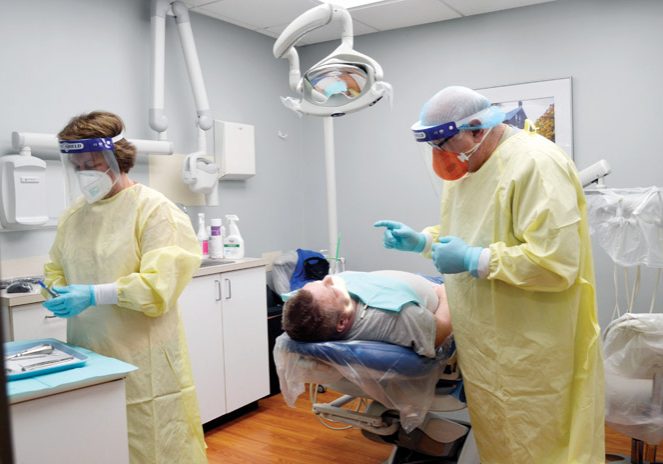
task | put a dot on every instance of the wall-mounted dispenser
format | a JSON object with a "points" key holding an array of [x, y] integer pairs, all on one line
{"points": [[235, 149], [22, 191]]}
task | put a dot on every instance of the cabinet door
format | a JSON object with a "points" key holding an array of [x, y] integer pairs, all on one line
{"points": [[200, 308], [32, 321], [245, 342]]}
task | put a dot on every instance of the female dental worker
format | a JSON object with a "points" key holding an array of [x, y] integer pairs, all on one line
{"points": [[122, 255], [516, 252]]}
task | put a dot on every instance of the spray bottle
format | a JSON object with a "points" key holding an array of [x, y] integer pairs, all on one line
{"points": [[233, 243], [202, 236]]}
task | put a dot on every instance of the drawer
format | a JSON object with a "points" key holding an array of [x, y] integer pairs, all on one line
{"points": [[34, 321]]}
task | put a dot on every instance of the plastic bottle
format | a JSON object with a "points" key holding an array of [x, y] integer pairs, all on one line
{"points": [[233, 243], [202, 235], [216, 240]]}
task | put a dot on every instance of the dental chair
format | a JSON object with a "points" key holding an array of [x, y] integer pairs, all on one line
{"points": [[413, 402]]}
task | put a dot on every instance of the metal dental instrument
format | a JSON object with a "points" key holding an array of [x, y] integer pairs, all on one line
{"points": [[35, 350], [44, 364], [50, 292]]}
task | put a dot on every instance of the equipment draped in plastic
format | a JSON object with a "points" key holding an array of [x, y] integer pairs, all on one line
{"points": [[628, 224], [405, 382]]}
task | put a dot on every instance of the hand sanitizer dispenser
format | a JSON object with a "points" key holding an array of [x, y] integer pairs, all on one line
{"points": [[22, 191]]}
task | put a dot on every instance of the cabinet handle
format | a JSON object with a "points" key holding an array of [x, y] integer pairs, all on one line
{"points": [[50, 317], [230, 289], [218, 289]]}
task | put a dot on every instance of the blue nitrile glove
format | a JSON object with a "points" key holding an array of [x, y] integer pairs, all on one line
{"points": [[401, 237], [452, 255], [73, 300]]}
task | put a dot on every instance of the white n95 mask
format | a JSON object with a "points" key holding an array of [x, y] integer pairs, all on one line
{"points": [[94, 185]]}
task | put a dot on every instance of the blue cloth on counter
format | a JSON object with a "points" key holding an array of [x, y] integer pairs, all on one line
{"points": [[97, 369]]}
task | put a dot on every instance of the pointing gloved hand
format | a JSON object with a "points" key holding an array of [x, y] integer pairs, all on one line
{"points": [[452, 255], [401, 237], [73, 300]]}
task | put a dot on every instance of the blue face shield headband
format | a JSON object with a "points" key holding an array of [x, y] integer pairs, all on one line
{"points": [[489, 117], [89, 145], [91, 167]]}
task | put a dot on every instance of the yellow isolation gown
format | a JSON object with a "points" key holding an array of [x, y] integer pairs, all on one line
{"points": [[527, 335], [146, 245]]}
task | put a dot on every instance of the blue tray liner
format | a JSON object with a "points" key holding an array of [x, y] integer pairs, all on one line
{"points": [[96, 367]]}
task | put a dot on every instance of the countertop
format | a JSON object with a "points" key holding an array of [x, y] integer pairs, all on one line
{"points": [[209, 266], [97, 369]]}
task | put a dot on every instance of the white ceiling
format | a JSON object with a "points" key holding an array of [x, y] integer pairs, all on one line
{"points": [[270, 17]]}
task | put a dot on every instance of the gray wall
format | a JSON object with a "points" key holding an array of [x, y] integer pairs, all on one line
{"points": [[65, 57], [60, 58], [610, 49]]}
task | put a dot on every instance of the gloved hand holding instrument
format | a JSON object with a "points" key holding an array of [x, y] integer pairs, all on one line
{"points": [[72, 300]]}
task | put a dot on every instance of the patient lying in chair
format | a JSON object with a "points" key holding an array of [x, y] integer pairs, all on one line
{"points": [[391, 306], [382, 335]]}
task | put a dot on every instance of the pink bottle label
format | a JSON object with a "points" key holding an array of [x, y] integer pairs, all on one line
{"points": [[204, 243]]}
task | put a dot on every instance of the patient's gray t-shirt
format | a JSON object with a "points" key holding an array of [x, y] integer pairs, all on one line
{"points": [[413, 326]]}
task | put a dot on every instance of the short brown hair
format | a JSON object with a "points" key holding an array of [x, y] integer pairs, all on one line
{"points": [[305, 320], [101, 124]]}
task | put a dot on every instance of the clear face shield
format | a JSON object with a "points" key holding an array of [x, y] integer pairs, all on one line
{"points": [[90, 166], [336, 84]]}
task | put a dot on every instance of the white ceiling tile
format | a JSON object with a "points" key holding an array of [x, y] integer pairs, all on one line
{"points": [[403, 13], [259, 14], [194, 3], [474, 7]]}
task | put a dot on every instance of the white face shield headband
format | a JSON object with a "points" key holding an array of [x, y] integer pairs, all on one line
{"points": [[91, 166]]}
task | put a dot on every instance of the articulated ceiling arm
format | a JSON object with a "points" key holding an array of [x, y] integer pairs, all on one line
{"points": [[181, 13], [311, 20], [157, 118]]}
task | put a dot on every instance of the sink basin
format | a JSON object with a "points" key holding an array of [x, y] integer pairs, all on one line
{"points": [[215, 262]]}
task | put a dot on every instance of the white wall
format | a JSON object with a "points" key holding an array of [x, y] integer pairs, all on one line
{"points": [[61, 58], [610, 49]]}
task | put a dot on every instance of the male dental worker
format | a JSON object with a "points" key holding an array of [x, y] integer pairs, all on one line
{"points": [[122, 255], [513, 243]]}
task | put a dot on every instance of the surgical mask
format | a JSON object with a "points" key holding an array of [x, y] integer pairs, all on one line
{"points": [[94, 185], [451, 165]]}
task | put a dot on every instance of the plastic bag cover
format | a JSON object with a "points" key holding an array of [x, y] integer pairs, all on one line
{"points": [[628, 224], [393, 375], [633, 349]]}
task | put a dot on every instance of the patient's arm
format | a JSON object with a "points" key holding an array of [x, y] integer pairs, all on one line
{"points": [[442, 316]]}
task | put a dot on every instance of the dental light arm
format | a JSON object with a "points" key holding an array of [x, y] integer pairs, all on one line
{"points": [[594, 173], [311, 20]]}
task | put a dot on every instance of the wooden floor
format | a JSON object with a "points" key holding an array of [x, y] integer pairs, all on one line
{"points": [[276, 433]]}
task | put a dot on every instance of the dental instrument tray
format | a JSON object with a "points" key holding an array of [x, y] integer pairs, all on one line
{"points": [[38, 357]]}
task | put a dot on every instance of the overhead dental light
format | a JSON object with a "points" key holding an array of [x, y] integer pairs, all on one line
{"points": [[200, 172], [342, 82]]}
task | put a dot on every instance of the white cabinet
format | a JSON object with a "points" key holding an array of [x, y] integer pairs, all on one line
{"points": [[31, 321], [225, 321], [85, 424]]}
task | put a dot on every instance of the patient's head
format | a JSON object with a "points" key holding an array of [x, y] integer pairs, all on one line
{"points": [[322, 310]]}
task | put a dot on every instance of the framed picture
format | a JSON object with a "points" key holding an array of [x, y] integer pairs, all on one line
{"points": [[545, 103]]}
